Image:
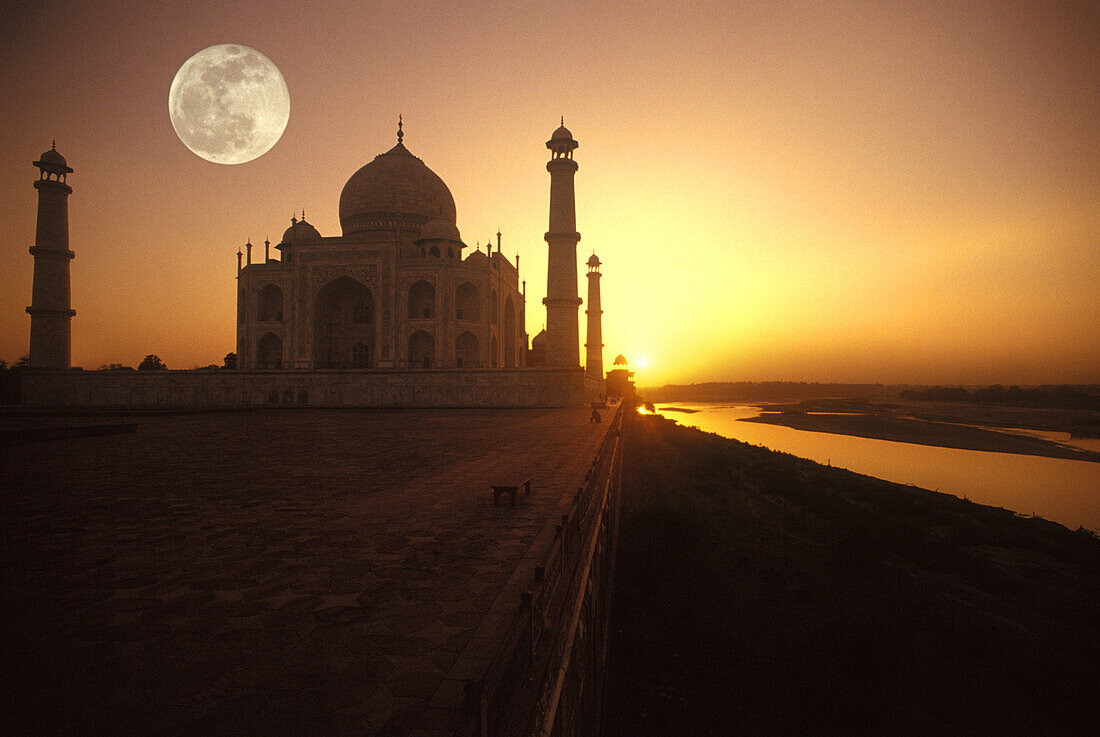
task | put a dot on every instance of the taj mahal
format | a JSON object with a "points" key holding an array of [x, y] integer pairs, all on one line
{"points": [[395, 311], [395, 290]]}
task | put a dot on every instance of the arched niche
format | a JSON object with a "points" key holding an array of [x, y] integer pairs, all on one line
{"points": [[269, 304], [421, 302], [269, 352], [509, 333], [421, 349], [467, 350], [467, 302]]}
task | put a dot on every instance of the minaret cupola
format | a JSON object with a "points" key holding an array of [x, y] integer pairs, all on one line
{"points": [[561, 143], [53, 165]]}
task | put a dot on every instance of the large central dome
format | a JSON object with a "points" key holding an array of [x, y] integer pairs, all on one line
{"points": [[396, 186]]}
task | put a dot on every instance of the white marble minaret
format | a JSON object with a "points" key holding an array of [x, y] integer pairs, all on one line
{"points": [[562, 302]]}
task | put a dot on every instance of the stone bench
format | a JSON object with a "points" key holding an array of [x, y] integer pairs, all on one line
{"points": [[510, 490]]}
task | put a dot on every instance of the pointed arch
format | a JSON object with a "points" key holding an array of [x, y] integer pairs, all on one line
{"points": [[421, 349], [269, 352], [421, 304], [467, 302], [467, 350], [509, 333], [269, 305]]}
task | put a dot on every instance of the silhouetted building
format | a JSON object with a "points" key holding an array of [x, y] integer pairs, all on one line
{"points": [[620, 380], [393, 291], [50, 311]]}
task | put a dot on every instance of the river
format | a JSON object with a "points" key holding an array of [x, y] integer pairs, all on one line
{"points": [[1061, 490]]}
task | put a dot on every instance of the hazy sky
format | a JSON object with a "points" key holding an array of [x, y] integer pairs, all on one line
{"points": [[799, 191]]}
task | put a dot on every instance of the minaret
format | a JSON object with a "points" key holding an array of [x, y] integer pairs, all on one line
{"points": [[593, 363], [51, 315], [562, 302]]}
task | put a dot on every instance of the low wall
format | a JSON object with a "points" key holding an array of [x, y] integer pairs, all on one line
{"points": [[548, 675], [529, 387]]}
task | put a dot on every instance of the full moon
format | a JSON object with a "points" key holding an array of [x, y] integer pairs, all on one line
{"points": [[229, 104]]}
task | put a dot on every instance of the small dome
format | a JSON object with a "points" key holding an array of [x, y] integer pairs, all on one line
{"points": [[593, 260], [561, 134], [394, 184], [620, 360], [300, 231], [53, 161], [539, 339], [52, 157], [439, 230]]}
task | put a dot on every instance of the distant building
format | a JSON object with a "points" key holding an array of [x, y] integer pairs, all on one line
{"points": [[620, 379]]}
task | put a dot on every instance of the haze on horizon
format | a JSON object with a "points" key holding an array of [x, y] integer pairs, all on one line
{"points": [[852, 192]]}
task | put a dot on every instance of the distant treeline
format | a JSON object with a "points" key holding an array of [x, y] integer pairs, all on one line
{"points": [[766, 391], [1063, 397]]}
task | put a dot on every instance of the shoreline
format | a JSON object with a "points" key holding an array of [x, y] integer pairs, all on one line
{"points": [[923, 432]]}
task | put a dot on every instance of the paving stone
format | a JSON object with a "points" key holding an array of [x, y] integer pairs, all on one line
{"points": [[271, 572]]}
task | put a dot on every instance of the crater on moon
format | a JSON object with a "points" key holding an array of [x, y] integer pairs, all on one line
{"points": [[229, 104]]}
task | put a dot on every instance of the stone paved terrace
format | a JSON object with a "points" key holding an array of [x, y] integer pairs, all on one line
{"points": [[271, 572]]}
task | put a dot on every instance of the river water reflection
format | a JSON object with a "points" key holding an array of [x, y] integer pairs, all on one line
{"points": [[1061, 490]]}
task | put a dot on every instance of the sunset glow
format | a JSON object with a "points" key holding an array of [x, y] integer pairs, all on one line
{"points": [[818, 192]]}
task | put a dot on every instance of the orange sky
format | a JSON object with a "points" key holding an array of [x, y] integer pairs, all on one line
{"points": [[788, 191]]}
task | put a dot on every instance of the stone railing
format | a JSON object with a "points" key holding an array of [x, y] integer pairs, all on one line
{"points": [[548, 673]]}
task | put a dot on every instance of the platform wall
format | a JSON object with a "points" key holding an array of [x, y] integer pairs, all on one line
{"points": [[528, 387]]}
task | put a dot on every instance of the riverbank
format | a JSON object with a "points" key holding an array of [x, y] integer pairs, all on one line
{"points": [[759, 593], [922, 432]]}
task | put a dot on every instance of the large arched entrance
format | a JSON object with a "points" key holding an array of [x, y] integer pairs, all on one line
{"points": [[343, 325], [269, 352], [421, 349]]}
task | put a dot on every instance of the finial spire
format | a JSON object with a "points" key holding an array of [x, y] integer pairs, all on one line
{"points": [[563, 120], [303, 214], [53, 146], [400, 133]]}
